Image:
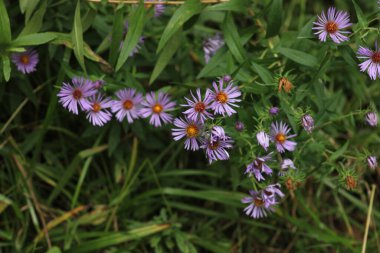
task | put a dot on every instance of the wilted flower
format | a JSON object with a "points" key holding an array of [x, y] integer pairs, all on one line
{"points": [[372, 162], [350, 182], [284, 83], [224, 98], [274, 111], [285, 165], [332, 25], [156, 108], [98, 84], [257, 207], [371, 119], [128, 104], [211, 45], [71, 96], [308, 123], [98, 114], [198, 107], [371, 62], [263, 139], [26, 62], [279, 133], [189, 129], [217, 144], [239, 126], [258, 167]]}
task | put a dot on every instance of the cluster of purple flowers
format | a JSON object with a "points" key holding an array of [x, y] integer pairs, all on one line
{"points": [[86, 95], [197, 124], [371, 119]]}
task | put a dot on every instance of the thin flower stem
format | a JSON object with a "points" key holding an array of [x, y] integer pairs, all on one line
{"points": [[368, 218]]}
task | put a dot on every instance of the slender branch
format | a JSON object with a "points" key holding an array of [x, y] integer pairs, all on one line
{"points": [[368, 218], [157, 2]]}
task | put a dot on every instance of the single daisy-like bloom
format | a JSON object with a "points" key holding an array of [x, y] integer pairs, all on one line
{"points": [[239, 126], [308, 123], [212, 45], [371, 62], [372, 162], [258, 167], [371, 119], [26, 62], [332, 25], [198, 106], [274, 111], [286, 164], [98, 114], [263, 140], [216, 147], [156, 107], [127, 105], [72, 96], [189, 129], [257, 207], [223, 98], [279, 135], [98, 84]]}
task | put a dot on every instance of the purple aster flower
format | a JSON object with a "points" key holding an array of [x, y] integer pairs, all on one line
{"points": [[224, 98], [371, 62], [212, 45], [371, 119], [189, 129], [98, 84], [227, 78], [71, 96], [239, 126], [332, 25], [98, 114], [272, 193], [263, 139], [218, 132], [159, 9], [257, 207], [308, 123], [279, 135], [26, 62], [285, 165], [216, 145], [127, 105], [372, 162], [198, 107], [156, 107], [258, 167], [274, 111]]}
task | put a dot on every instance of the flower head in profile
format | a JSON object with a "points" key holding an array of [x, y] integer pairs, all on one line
{"points": [[258, 167], [224, 98], [371, 62], [198, 107], [156, 106], [279, 135], [98, 114], [263, 139], [274, 111], [307, 123], [216, 145], [372, 162], [127, 104], [26, 62], [332, 25], [258, 207], [286, 164], [272, 194], [212, 45], [98, 84], [239, 126], [189, 129], [70, 96], [371, 119]]}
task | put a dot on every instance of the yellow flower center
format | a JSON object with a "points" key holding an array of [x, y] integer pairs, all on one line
{"points": [[191, 131], [199, 107], [281, 138], [331, 27], [96, 107], [221, 97], [24, 59], [77, 94], [128, 104], [157, 108]]}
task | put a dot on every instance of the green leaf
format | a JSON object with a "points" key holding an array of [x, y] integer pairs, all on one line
{"points": [[184, 13], [359, 14], [6, 67], [136, 25], [274, 18], [299, 56], [5, 28], [233, 5], [117, 35], [77, 37], [27, 7], [307, 31], [214, 63], [231, 36], [35, 23], [54, 250], [34, 39], [339, 152], [166, 55], [264, 73]]}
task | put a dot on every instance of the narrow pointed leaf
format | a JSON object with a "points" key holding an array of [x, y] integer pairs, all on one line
{"points": [[232, 38], [5, 28], [274, 18], [77, 37]]}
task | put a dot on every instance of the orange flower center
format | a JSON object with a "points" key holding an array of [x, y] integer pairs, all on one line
{"points": [[258, 202], [331, 27], [221, 97], [24, 59], [213, 145], [199, 107], [77, 94], [96, 107], [376, 57], [191, 131], [281, 138], [157, 108], [147, 6], [128, 104]]}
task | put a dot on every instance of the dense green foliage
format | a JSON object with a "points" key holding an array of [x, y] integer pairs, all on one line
{"points": [[130, 187]]}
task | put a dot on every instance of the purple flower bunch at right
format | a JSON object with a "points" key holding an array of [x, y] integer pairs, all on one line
{"points": [[197, 125]]}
